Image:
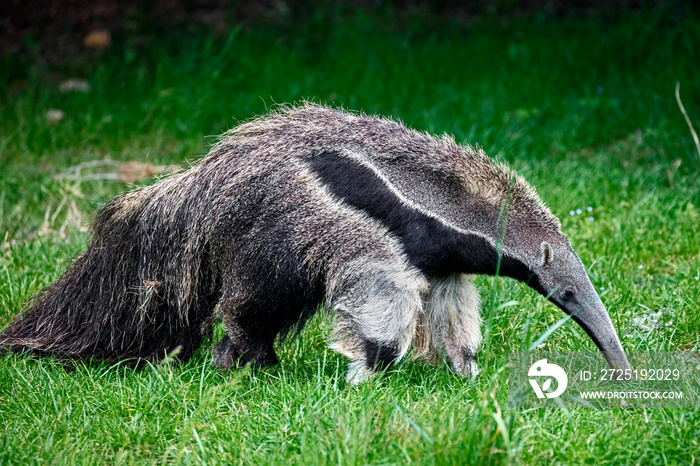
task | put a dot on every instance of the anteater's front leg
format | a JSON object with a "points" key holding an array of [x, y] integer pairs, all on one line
{"points": [[376, 304], [453, 320]]}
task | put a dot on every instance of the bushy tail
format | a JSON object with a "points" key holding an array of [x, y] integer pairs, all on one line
{"points": [[144, 287]]}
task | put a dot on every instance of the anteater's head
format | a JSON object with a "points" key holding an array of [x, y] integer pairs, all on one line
{"points": [[544, 259], [560, 275]]}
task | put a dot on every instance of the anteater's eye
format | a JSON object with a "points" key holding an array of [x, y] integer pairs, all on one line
{"points": [[568, 293]]}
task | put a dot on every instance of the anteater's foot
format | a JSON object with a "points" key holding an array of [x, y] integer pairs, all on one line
{"points": [[228, 353]]}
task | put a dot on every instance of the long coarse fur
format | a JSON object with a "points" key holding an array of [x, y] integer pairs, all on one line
{"points": [[304, 206]]}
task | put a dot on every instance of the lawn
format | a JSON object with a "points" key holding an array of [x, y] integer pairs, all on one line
{"points": [[584, 108]]}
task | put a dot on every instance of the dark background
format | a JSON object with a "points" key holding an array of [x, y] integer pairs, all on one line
{"points": [[54, 31]]}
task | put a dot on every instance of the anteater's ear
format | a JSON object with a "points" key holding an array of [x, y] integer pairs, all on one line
{"points": [[546, 253]]}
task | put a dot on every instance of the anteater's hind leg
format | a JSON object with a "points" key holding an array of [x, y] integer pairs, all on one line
{"points": [[376, 306], [451, 321], [250, 335]]}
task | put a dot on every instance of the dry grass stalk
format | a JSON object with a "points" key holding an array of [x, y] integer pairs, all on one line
{"points": [[685, 115]]}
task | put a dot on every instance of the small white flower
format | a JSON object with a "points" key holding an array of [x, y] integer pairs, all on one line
{"points": [[74, 84], [602, 288], [640, 266], [697, 278], [571, 212], [578, 211], [54, 115], [590, 219], [589, 208], [674, 292]]}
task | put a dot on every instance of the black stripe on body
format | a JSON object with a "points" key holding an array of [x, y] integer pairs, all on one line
{"points": [[431, 246]]}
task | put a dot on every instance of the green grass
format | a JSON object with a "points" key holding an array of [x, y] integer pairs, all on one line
{"points": [[583, 108]]}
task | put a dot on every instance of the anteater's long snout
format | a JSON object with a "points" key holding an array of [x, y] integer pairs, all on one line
{"points": [[594, 319]]}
